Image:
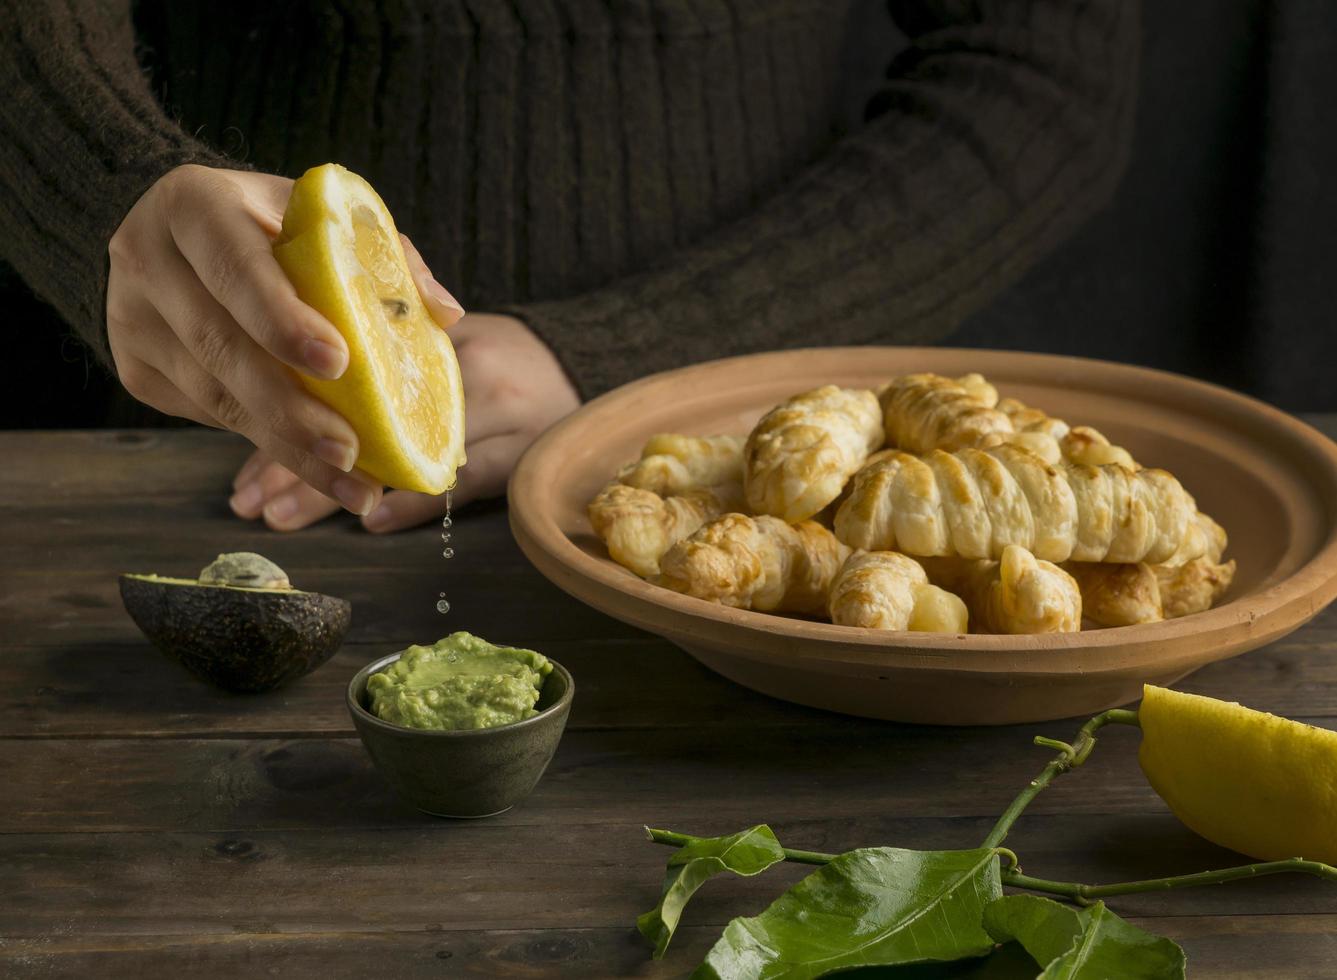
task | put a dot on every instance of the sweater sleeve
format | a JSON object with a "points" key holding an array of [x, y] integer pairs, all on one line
{"points": [[81, 138], [1002, 127]]}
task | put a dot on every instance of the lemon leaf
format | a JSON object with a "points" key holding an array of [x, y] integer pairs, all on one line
{"points": [[1082, 944], [876, 906], [748, 852]]}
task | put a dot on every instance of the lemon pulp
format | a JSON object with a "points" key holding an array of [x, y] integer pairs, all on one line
{"points": [[1250, 781], [402, 391]]}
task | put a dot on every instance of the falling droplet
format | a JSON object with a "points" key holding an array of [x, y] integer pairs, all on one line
{"points": [[442, 606], [446, 521], [448, 553]]}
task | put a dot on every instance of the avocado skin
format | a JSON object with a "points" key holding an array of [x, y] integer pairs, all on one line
{"points": [[238, 639]]}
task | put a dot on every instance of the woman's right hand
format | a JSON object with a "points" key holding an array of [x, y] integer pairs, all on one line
{"points": [[203, 324]]}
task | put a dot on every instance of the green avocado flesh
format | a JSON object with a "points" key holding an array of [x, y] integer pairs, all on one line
{"points": [[168, 580], [460, 682]]}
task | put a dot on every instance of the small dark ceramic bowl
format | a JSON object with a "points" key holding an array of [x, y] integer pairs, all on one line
{"points": [[471, 773]]}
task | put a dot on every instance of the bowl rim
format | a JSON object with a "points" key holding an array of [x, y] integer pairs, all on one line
{"points": [[360, 713], [1284, 603]]}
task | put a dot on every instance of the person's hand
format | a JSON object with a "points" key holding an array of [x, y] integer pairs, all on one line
{"points": [[514, 389], [203, 324]]}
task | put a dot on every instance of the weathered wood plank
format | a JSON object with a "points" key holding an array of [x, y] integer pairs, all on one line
{"points": [[487, 876], [636, 681], [671, 775], [93, 465], [179, 534], [392, 605], [1286, 947], [644, 683]]}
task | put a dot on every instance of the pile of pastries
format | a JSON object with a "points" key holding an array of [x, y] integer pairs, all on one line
{"points": [[931, 504]]}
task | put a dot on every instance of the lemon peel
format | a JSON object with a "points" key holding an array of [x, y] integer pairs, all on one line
{"points": [[402, 391], [1254, 782]]}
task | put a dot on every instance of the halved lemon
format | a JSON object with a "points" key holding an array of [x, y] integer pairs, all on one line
{"points": [[402, 391], [1250, 781]]}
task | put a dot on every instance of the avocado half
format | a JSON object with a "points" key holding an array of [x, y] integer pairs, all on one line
{"points": [[240, 637]]}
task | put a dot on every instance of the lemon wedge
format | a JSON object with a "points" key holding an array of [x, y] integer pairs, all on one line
{"points": [[402, 391], [1250, 781]]}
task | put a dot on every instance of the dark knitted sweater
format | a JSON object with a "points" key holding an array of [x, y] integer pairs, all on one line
{"points": [[646, 184]]}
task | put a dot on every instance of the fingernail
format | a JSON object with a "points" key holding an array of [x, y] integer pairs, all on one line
{"points": [[353, 495], [441, 295], [281, 508], [378, 518], [325, 360], [338, 454], [246, 501]]}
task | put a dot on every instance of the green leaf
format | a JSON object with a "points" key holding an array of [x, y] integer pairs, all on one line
{"points": [[748, 852], [1082, 944], [878, 906]]}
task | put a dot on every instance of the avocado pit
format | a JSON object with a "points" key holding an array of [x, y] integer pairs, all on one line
{"points": [[240, 624]]}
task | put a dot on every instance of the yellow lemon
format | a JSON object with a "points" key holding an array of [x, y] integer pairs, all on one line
{"points": [[402, 391], [1250, 781]]}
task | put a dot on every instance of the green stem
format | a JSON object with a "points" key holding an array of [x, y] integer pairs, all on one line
{"points": [[675, 839], [1087, 893], [1069, 756]]}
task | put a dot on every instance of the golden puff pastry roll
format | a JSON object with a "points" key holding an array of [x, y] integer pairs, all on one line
{"points": [[1075, 444], [980, 388], [758, 563], [928, 411], [638, 525], [675, 464], [1118, 594], [1018, 594], [1194, 586], [1123, 595], [974, 503], [800, 455], [887, 591]]}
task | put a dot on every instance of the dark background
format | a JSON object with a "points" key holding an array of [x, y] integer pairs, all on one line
{"points": [[1214, 259]]}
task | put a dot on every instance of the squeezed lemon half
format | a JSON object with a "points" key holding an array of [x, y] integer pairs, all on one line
{"points": [[402, 391], [1250, 781]]}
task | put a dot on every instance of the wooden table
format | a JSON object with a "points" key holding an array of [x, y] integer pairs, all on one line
{"points": [[154, 827]]}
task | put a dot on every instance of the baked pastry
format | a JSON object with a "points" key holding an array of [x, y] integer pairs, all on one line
{"points": [[757, 563], [1123, 595], [888, 591], [800, 455], [1193, 586], [1116, 594], [1017, 594], [1075, 444], [638, 525], [676, 464], [973, 503], [928, 411]]}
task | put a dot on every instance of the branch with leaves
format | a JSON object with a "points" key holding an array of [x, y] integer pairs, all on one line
{"points": [[888, 906]]}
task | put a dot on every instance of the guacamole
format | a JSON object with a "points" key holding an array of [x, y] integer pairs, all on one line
{"points": [[459, 682]]}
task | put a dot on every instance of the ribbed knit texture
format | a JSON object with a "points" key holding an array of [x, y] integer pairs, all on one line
{"points": [[646, 184]]}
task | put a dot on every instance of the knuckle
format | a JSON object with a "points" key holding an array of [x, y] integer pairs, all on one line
{"points": [[124, 255], [233, 267], [211, 343], [224, 407]]}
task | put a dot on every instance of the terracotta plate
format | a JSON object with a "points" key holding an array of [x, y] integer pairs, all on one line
{"points": [[1270, 479]]}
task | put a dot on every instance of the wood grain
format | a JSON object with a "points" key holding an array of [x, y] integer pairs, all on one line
{"points": [[152, 826]]}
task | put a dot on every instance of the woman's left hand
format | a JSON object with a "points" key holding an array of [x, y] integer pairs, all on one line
{"points": [[514, 388]]}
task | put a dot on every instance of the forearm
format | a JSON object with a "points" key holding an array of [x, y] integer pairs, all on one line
{"points": [[998, 133], [81, 138]]}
